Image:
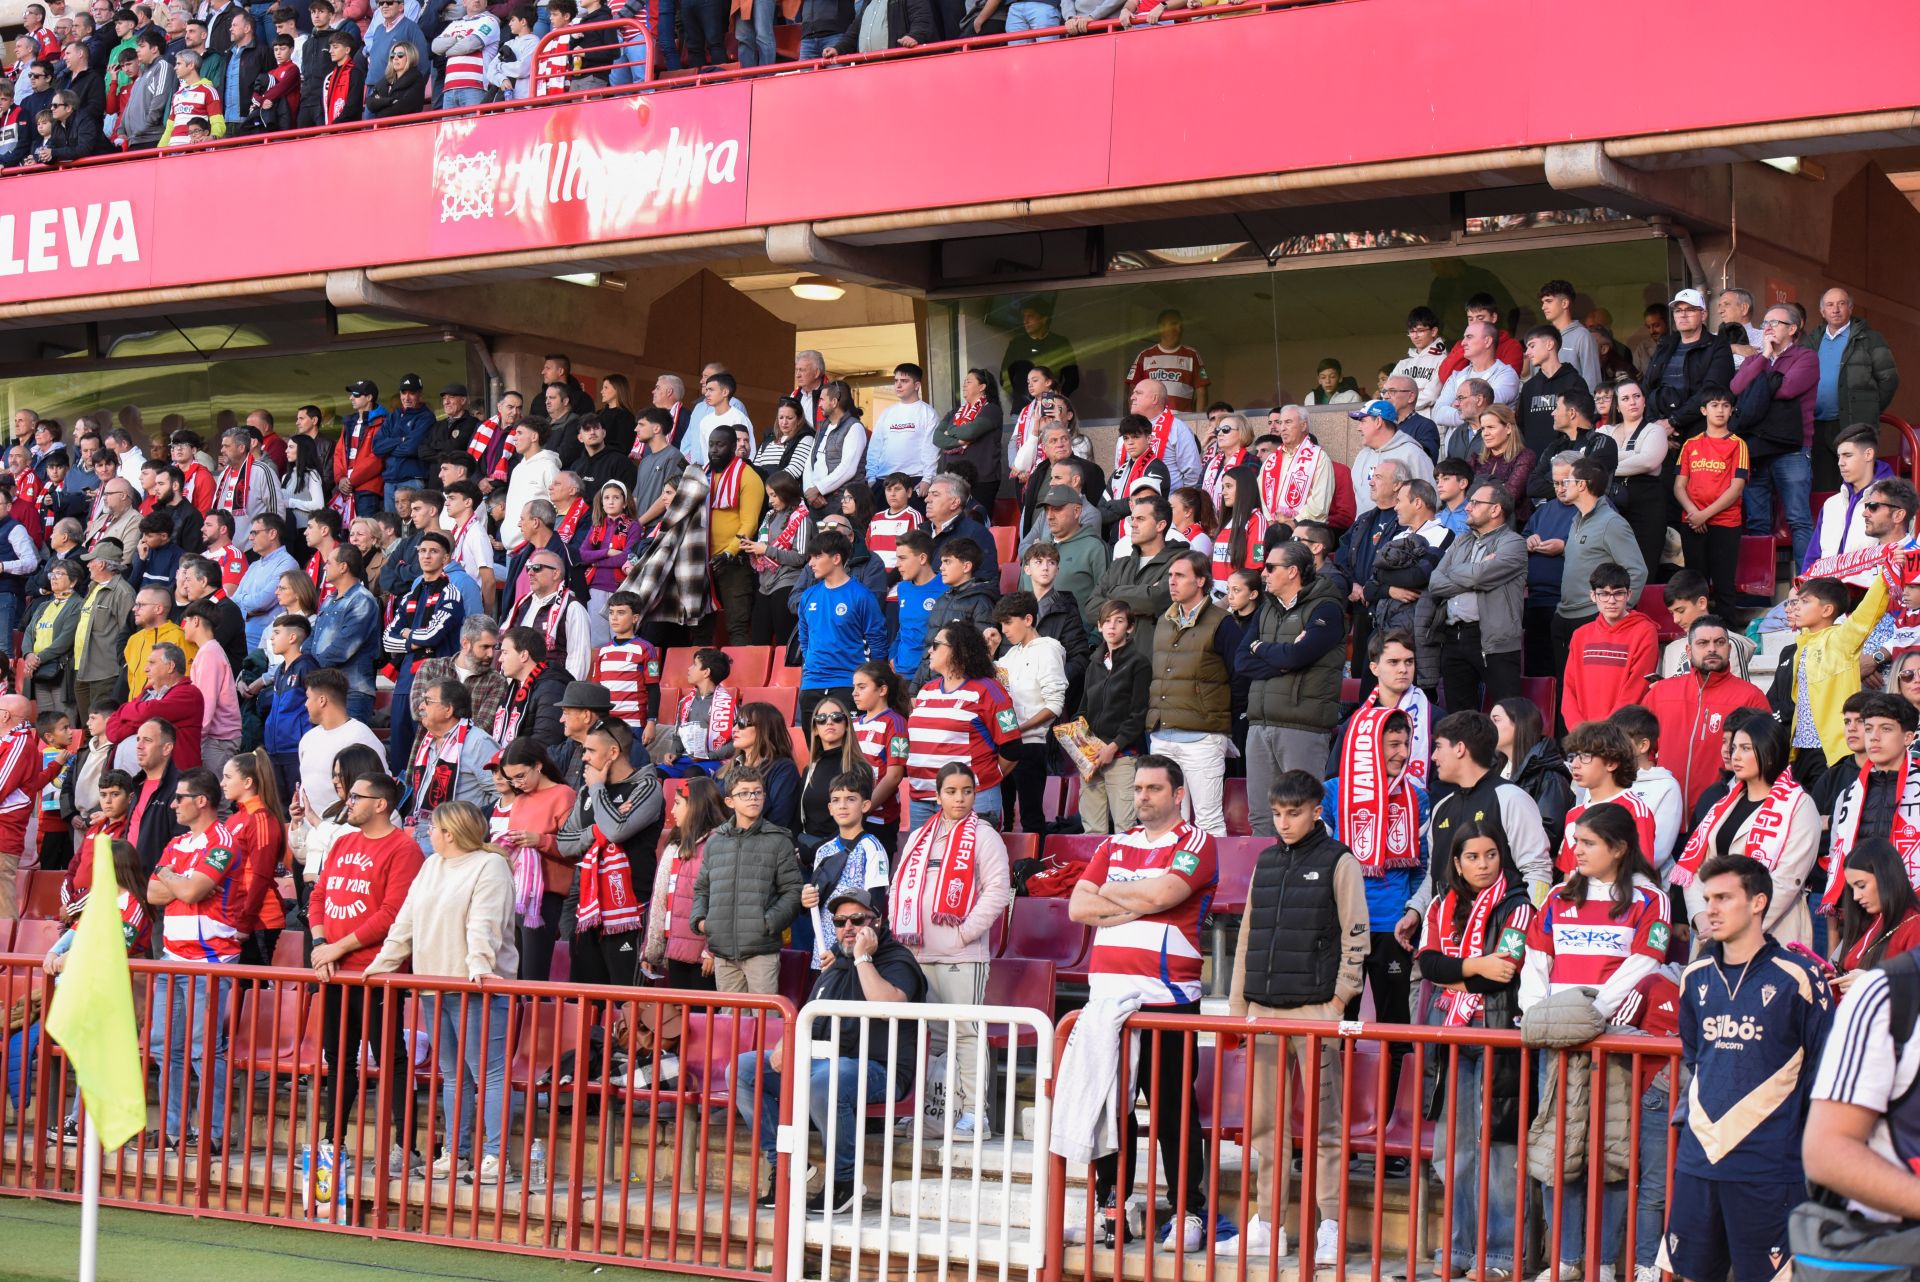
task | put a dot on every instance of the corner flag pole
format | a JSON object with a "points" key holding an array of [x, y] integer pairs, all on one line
{"points": [[90, 1205]]}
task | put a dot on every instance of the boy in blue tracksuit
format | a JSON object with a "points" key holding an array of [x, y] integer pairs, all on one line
{"points": [[840, 625], [286, 717], [910, 602], [1753, 1020]]}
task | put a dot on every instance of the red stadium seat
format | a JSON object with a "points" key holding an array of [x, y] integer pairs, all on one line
{"points": [[1009, 576], [785, 677], [1020, 845], [1005, 539], [1544, 692], [1019, 981], [1653, 604], [1239, 820], [1754, 575], [1349, 689], [35, 937], [796, 975], [1226, 1118], [997, 937], [709, 1045], [670, 703], [673, 665], [1041, 931], [42, 900], [785, 698], [750, 664], [6, 935], [289, 949], [268, 1034], [1237, 858]]}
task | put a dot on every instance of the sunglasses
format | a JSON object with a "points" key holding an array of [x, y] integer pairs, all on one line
{"points": [[829, 718], [858, 919]]}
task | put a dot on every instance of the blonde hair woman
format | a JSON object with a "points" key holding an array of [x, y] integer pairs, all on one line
{"points": [[458, 923]]}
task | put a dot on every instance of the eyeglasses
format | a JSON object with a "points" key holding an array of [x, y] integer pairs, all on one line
{"points": [[361, 796], [747, 794], [543, 569], [828, 718], [858, 919], [1581, 758], [1609, 594], [1769, 322], [1271, 566], [1874, 505]]}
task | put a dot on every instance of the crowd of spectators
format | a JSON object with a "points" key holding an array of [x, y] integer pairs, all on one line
{"points": [[441, 656], [92, 80]]}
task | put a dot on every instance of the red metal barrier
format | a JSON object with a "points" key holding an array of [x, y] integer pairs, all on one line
{"points": [[552, 69], [1394, 1233], [642, 1165], [653, 1166]]}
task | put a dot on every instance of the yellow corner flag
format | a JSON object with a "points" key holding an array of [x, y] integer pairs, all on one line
{"points": [[92, 1013]]}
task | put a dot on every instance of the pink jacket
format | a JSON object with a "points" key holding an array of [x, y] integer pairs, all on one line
{"points": [[972, 939], [212, 676]]}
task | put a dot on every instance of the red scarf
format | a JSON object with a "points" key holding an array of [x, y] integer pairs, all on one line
{"points": [[963, 415], [571, 521], [556, 614], [460, 531], [957, 890], [430, 790], [234, 485], [783, 540], [1766, 836], [1462, 1008], [1161, 435], [1378, 816], [506, 721], [719, 714], [1846, 832], [316, 573], [607, 899], [611, 535], [726, 487], [1218, 467], [1285, 482], [1123, 482]]}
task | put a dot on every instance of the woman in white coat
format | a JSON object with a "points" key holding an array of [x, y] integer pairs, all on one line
{"points": [[1768, 816]]}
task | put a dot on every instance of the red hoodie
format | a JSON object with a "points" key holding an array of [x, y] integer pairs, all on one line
{"points": [[1691, 713], [1608, 666], [1508, 349], [362, 885]]}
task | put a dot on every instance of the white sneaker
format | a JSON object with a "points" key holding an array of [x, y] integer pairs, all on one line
{"points": [[1193, 1232], [1568, 1273], [1326, 1243], [1606, 1273], [493, 1169], [968, 1124], [445, 1167], [1259, 1238], [1646, 1273]]}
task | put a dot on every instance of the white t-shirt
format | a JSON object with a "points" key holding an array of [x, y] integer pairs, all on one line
{"points": [[318, 748], [1862, 1066]]}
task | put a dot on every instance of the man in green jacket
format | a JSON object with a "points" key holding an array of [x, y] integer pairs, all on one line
{"points": [[1140, 579], [1857, 380], [1084, 559]]}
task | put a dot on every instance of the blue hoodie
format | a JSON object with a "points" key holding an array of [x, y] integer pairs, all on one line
{"points": [[399, 443]]}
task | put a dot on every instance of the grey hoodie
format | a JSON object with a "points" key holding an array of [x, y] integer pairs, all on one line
{"points": [[147, 102]]}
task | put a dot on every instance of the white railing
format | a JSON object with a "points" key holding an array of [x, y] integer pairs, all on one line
{"points": [[962, 1206]]}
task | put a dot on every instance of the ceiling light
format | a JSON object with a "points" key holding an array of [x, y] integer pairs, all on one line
{"points": [[817, 289], [1193, 255], [589, 279]]}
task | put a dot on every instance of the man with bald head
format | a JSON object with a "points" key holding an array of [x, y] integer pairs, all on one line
{"points": [[1401, 391], [22, 775], [1857, 380], [1171, 440], [116, 516], [1480, 345]]}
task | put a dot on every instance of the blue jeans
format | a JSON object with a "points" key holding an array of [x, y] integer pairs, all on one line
{"points": [[812, 47], [367, 503], [666, 34], [460, 1074], [9, 618], [360, 705], [179, 1020], [464, 98], [1462, 1153], [1032, 15], [986, 804], [1650, 1208], [632, 50], [1791, 477], [754, 1079], [755, 36]]}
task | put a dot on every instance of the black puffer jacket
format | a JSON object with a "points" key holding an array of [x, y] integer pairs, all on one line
{"points": [[748, 890], [401, 95], [1543, 776], [1501, 1009]]}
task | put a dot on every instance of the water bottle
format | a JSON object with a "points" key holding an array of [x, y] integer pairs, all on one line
{"points": [[537, 1166]]}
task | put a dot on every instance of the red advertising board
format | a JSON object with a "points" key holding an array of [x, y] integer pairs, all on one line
{"points": [[1357, 82], [603, 171]]}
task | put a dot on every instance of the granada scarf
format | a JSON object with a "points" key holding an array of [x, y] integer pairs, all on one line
{"points": [[1160, 436], [571, 521], [1286, 479], [959, 886], [1846, 829], [1462, 1008], [506, 721], [784, 540], [726, 487], [234, 485], [607, 901], [1378, 816], [429, 790], [1766, 836]]}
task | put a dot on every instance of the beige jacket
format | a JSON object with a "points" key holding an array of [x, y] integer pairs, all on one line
{"points": [[457, 922]]}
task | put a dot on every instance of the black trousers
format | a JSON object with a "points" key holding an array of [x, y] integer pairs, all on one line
{"points": [[1715, 552], [536, 942], [1536, 641], [1176, 1115], [357, 1015], [771, 621], [703, 28], [1029, 787], [600, 958], [1826, 460], [1389, 971], [1466, 674], [733, 583], [687, 976], [56, 850], [810, 699]]}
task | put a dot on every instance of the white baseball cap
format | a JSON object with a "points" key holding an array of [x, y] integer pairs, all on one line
{"points": [[1689, 298]]}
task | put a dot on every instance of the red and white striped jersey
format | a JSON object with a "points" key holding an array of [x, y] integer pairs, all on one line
{"points": [[551, 73], [1253, 558], [1156, 958], [467, 70], [1642, 822], [883, 742], [967, 723], [884, 531], [27, 486], [206, 931], [627, 669], [197, 99], [1179, 371], [233, 566], [1588, 943]]}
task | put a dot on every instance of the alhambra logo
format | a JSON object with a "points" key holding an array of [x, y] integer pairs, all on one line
{"points": [[614, 182]]}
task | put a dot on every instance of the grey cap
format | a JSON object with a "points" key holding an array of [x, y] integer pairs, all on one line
{"points": [[587, 696], [108, 550], [861, 897], [1060, 496]]}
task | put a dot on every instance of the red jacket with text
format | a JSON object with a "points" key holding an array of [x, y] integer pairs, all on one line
{"points": [[1607, 667], [1692, 712]]}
